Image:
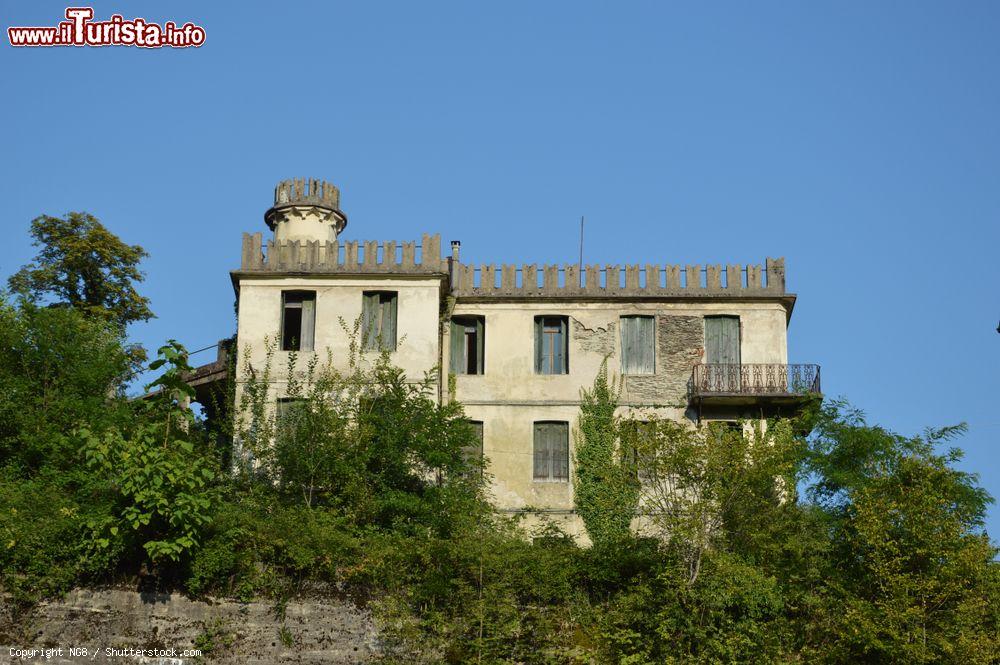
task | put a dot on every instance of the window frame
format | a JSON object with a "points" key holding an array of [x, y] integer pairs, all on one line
{"points": [[541, 322], [471, 456], [380, 342], [652, 343], [463, 323], [553, 464], [304, 296]]}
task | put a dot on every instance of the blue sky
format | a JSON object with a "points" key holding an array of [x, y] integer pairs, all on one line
{"points": [[860, 140]]}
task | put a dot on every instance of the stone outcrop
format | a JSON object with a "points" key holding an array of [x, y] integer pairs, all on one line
{"points": [[308, 632]]}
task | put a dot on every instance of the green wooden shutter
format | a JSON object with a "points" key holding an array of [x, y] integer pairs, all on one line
{"points": [[540, 345], [560, 450], [541, 471], [369, 321], [388, 327], [480, 345], [628, 341], [646, 345], [473, 454], [457, 347], [561, 360], [722, 347], [308, 322], [722, 339]]}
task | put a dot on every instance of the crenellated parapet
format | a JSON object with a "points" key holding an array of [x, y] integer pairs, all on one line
{"points": [[350, 257], [616, 280]]}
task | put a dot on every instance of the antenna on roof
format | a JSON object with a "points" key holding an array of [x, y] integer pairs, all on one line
{"points": [[581, 242]]}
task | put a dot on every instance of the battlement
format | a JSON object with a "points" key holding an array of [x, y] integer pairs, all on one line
{"points": [[615, 280], [307, 191], [511, 281], [369, 256]]}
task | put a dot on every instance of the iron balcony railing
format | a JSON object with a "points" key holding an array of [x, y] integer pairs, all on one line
{"points": [[720, 379]]}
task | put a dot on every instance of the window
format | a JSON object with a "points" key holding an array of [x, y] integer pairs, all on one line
{"points": [[551, 451], [637, 445], [722, 353], [551, 351], [638, 344], [722, 340], [473, 454], [298, 320], [378, 321], [467, 344], [289, 415]]}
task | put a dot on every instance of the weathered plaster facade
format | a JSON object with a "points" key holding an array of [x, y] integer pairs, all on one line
{"points": [[509, 396]]}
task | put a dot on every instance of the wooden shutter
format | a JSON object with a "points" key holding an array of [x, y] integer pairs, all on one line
{"points": [[369, 321], [308, 322], [457, 347], [542, 454], [551, 451], [480, 348], [722, 339], [474, 452], [561, 360], [722, 347], [559, 446], [388, 328], [638, 344], [540, 345]]}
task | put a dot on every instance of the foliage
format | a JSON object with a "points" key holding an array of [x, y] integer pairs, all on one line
{"points": [[711, 486], [606, 493], [84, 266], [59, 370], [365, 441], [162, 482], [918, 581]]}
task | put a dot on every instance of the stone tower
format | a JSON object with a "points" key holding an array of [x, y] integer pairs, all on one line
{"points": [[306, 210]]}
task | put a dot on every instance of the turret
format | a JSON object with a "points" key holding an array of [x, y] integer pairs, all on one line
{"points": [[306, 210]]}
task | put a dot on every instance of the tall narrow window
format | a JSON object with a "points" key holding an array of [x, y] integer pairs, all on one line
{"points": [[289, 415], [467, 344], [473, 453], [636, 447], [722, 340], [722, 352], [638, 344], [298, 320], [378, 321], [551, 451], [551, 349]]}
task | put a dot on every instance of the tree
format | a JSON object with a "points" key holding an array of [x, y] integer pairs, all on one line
{"points": [[163, 482], [84, 266], [916, 578], [711, 487], [59, 370]]}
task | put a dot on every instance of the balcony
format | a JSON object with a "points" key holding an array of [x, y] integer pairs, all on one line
{"points": [[753, 384]]}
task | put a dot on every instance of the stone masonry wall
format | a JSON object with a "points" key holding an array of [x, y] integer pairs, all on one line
{"points": [[313, 632]]}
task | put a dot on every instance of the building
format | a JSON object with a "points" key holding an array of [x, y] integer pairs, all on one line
{"points": [[692, 342]]}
